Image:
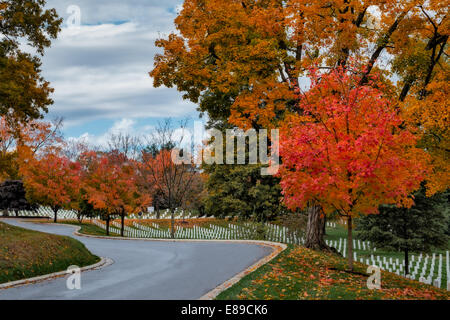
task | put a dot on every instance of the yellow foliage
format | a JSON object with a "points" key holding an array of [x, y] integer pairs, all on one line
{"points": [[431, 118], [2, 7]]}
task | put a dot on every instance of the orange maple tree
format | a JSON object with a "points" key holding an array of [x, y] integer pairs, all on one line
{"points": [[253, 54], [173, 182], [348, 152], [243, 60], [429, 117], [21, 141], [111, 184], [51, 180]]}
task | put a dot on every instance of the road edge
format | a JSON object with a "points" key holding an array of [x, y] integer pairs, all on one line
{"points": [[212, 294], [276, 247], [104, 262]]}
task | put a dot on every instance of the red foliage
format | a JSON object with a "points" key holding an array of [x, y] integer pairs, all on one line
{"points": [[52, 181], [110, 182], [349, 152]]}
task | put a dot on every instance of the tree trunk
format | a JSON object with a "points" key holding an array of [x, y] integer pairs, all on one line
{"points": [[406, 262], [315, 230], [157, 209], [172, 223], [122, 220], [350, 243], [107, 226], [55, 210]]}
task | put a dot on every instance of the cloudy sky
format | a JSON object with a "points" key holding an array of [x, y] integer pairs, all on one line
{"points": [[100, 69]]}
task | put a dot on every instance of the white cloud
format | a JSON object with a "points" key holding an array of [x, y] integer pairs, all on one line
{"points": [[100, 69], [124, 126], [103, 35]]}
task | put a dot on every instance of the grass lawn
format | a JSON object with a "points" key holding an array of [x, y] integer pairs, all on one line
{"points": [[88, 228], [341, 232], [300, 273], [25, 253], [163, 224]]}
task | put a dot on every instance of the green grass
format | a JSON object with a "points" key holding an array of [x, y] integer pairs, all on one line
{"points": [[163, 224], [341, 232], [88, 228], [25, 253], [299, 273]]}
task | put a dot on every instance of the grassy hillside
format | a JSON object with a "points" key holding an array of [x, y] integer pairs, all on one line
{"points": [[341, 233], [88, 228], [300, 273], [25, 253]]}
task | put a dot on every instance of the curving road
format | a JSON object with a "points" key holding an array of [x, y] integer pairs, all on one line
{"points": [[144, 270]]}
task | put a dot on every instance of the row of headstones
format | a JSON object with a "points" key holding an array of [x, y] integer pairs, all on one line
{"points": [[72, 214], [140, 231], [437, 282], [165, 214], [342, 243], [415, 268], [397, 266], [154, 231], [331, 224], [275, 233], [47, 212], [232, 232], [103, 226], [213, 232], [281, 234]]}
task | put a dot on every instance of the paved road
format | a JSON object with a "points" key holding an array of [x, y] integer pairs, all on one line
{"points": [[144, 269]]}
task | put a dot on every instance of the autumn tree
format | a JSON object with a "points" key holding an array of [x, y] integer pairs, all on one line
{"points": [[196, 195], [52, 180], [251, 55], [125, 143], [24, 151], [41, 137], [24, 93], [18, 142], [110, 184], [74, 148], [242, 61], [8, 154], [171, 179], [348, 152], [87, 209], [421, 63], [429, 117]]}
